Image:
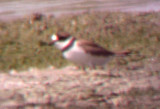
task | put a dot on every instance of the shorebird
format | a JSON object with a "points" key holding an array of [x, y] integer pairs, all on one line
{"points": [[82, 52]]}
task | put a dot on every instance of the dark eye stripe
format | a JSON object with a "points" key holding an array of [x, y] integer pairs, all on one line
{"points": [[62, 38]]}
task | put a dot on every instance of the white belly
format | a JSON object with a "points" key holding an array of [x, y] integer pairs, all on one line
{"points": [[78, 56]]}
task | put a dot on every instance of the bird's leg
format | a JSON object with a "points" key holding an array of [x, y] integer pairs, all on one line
{"points": [[101, 67], [92, 66], [83, 68]]}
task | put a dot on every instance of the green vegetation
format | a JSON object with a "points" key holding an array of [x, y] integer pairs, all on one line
{"points": [[20, 48]]}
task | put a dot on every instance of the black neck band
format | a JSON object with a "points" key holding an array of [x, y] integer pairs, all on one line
{"points": [[69, 45]]}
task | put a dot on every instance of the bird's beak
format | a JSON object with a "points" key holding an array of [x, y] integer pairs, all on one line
{"points": [[51, 43]]}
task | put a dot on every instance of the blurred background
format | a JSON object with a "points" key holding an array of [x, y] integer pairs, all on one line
{"points": [[11, 9]]}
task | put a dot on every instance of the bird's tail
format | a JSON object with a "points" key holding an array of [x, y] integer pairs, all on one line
{"points": [[123, 53]]}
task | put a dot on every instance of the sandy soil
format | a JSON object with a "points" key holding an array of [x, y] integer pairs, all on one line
{"points": [[70, 87]]}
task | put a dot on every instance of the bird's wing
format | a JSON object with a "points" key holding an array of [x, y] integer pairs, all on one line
{"points": [[94, 49]]}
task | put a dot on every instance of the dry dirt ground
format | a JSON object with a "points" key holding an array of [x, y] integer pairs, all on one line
{"points": [[68, 87]]}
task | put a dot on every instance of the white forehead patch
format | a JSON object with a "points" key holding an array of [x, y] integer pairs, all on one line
{"points": [[54, 37]]}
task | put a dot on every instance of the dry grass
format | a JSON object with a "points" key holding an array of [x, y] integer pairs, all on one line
{"points": [[20, 48]]}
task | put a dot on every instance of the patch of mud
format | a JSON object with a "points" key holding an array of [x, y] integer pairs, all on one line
{"points": [[52, 88]]}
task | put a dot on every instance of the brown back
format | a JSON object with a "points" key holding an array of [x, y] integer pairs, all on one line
{"points": [[94, 49]]}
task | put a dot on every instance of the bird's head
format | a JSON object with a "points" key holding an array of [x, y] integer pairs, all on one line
{"points": [[60, 40]]}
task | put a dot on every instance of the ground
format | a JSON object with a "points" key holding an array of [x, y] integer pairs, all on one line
{"points": [[51, 88]]}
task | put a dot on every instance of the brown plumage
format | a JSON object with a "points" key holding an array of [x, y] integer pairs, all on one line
{"points": [[94, 49], [62, 35]]}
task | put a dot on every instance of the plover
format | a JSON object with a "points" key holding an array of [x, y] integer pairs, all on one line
{"points": [[82, 52]]}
